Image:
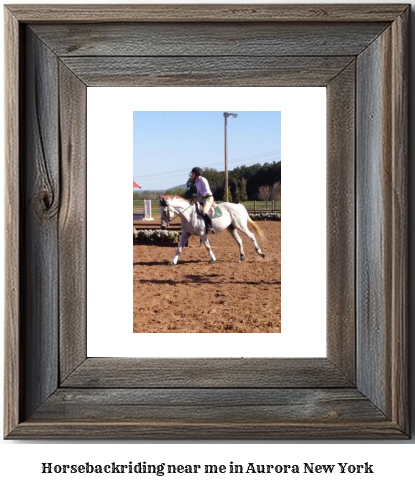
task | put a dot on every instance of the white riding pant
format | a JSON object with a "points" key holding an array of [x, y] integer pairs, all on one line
{"points": [[207, 203]]}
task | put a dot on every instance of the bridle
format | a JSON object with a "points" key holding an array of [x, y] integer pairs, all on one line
{"points": [[164, 203]]}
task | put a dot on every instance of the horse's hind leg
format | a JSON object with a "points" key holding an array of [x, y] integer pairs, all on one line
{"points": [[251, 235], [206, 242], [236, 236]]}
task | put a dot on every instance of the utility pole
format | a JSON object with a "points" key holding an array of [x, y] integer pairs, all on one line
{"points": [[226, 115]]}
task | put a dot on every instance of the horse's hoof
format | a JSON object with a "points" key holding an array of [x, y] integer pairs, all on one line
{"points": [[242, 258], [212, 262], [171, 264], [262, 255]]}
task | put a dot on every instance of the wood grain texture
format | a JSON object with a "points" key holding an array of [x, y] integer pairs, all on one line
{"points": [[374, 221], [400, 232], [205, 71], [183, 39], [72, 222], [206, 373], [53, 391], [210, 405], [206, 13], [382, 244], [13, 384], [341, 237], [188, 430], [40, 205]]}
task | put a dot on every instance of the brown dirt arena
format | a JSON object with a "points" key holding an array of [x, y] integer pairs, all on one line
{"points": [[194, 296]]}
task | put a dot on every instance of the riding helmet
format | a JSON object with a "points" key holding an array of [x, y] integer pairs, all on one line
{"points": [[197, 170]]}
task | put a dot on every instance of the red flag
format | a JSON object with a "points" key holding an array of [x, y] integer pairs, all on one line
{"points": [[135, 185]]}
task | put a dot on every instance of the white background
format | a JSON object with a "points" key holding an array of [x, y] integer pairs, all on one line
{"points": [[393, 462], [110, 157]]}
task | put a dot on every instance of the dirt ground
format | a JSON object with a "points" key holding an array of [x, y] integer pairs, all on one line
{"points": [[194, 296]]}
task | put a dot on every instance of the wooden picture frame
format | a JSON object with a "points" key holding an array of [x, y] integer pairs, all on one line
{"points": [[360, 53]]}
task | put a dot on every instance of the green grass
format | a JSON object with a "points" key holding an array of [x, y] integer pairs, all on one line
{"points": [[155, 209], [249, 205], [259, 205]]}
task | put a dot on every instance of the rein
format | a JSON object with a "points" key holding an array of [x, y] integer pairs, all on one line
{"points": [[187, 208]]}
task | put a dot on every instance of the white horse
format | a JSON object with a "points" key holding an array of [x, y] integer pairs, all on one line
{"points": [[234, 217]]}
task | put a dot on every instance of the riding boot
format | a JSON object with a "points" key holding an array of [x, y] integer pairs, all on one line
{"points": [[209, 226]]}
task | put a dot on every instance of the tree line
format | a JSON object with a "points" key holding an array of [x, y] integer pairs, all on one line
{"points": [[256, 182]]}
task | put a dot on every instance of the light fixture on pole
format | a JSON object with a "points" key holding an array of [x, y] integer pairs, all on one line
{"points": [[226, 115]]}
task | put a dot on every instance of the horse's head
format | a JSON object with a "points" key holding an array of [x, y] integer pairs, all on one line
{"points": [[166, 213]]}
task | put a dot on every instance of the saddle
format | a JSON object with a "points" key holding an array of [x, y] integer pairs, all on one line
{"points": [[214, 211]]}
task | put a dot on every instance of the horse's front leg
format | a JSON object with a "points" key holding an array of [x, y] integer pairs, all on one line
{"points": [[183, 239], [206, 242]]}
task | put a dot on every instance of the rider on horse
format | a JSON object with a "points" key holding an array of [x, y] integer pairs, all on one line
{"points": [[204, 195]]}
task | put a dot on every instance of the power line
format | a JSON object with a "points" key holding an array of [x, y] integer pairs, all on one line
{"points": [[181, 171], [221, 163], [184, 175]]}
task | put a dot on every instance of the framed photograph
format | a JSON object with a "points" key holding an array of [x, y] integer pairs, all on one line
{"points": [[230, 309], [53, 387], [205, 291]]}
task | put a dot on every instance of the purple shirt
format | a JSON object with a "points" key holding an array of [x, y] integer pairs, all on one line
{"points": [[202, 187]]}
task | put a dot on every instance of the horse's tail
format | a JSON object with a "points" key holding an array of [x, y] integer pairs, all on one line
{"points": [[256, 228]]}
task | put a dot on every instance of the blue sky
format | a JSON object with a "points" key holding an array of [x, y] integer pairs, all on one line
{"points": [[167, 145]]}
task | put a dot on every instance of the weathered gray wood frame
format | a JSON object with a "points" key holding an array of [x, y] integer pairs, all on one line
{"points": [[359, 52]]}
